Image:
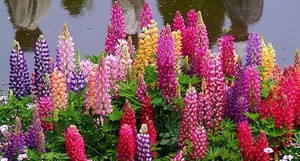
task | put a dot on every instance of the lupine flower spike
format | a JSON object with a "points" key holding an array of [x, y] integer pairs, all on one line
{"points": [[245, 141], [75, 144], [65, 53], [45, 110], [58, 90], [129, 117], [147, 111], [253, 50], [19, 81], [77, 78], [17, 141], [146, 16], [178, 23], [226, 48], [33, 135], [126, 145], [141, 88], [143, 147]]}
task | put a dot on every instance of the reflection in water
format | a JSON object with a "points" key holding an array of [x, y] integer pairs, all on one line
{"points": [[75, 6], [242, 14], [213, 13], [26, 14]]}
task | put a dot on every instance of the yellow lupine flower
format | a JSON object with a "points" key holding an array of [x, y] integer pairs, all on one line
{"points": [[177, 50], [268, 60]]}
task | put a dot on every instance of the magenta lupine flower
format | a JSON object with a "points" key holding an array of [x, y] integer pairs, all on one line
{"points": [[19, 81], [141, 88], [202, 41], [190, 116], [41, 68], [178, 23], [166, 67], [252, 79], [65, 53], [201, 62], [45, 109], [205, 111], [35, 127], [192, 18], [253, 50], [226, 49], [143, 147], [103, 105], [216, 87], [17, 141], [116, 29], [86, 66], [146, 16], [199, 141], [178, 156], [239, 95]]}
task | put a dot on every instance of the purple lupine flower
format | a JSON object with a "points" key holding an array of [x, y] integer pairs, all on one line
{"points": [[178, 23], [41, 68], [103, 105], [253, 80], [166, 66], [253, 50], [146, 16], [17, 141], [19, 81], [216, 87], [239, 95], [141, 89], [192, 18], [5, 143], [143, 146], [226, 49], [41, 144], [116, 29], [77, 78], [65, 53], [33, 136]]}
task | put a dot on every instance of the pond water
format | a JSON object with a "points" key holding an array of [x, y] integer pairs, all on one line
{"points": [[24, 20]]}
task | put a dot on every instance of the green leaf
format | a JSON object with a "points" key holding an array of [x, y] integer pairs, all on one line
{"points": [[94, 59], [116, 115], [253, 117]]}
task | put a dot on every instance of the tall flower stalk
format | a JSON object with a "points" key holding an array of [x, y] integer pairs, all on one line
{"points": [[226, 48], [59, 94], [17, 141], [143, 147], [146, 15], [253, 50], [78, 81], [75, 144], [126, 145]]}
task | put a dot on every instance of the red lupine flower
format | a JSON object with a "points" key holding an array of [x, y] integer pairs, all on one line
{"points": [[75, 144], [129, 117], [147, 111], [261, 144], [126, 145], [267, 106], [245, 141]]}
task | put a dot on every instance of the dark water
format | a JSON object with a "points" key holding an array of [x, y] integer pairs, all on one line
{"points": [[278, 21]]}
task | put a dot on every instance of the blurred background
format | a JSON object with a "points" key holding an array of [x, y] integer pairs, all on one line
{"points": [[24, 20]]}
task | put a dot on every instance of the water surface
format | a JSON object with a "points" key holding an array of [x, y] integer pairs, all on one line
{"points": [[278, 21]]}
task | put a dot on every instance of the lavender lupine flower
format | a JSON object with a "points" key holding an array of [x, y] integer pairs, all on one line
{"points": [[252, 79], [103, 105], [86, 66], [116, 29], [65, 53], [239, 95], [253, 50], [166, 66], [146, 16], [17, 141], [32, 136], [41, 68], [143, 147], [77, 78], [5, 143], [216, 87], [19, 81]]}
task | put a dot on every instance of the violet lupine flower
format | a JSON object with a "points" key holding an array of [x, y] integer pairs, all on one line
{"points": [[253, 50], [178, 23], [146, 16], [65, 53], [166, 66], [19, 81], [41, 68], [32, 136], [239, 94], [116, 29], [103, 105], [252, 79], [143, 147], [190, 116], [216, 87], [5, 144], [192, 18], [17, 141], [77, 78], [226, 48], [141, 88]]}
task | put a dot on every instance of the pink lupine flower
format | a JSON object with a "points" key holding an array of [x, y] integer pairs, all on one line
{"points": [[178, 156], [45, 109], [91, 93], [126, 145], [192, 18], [178, 23], [205, 111], [103, 105], [146, 16], [166, 67], [59, 94], [65, 53], [86, 66], [226, 48], [141, 88], [202, 41], [189, 116], [75, 144], [199, 141], [116, 29], [123, 54], [114, 68], [216, 88]]}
